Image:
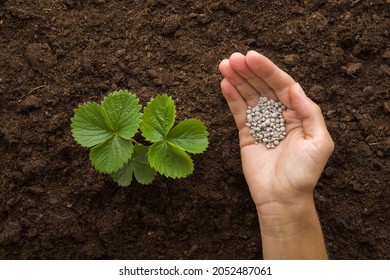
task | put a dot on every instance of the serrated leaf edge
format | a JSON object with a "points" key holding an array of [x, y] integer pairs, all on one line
{"points": [[75, 116], [147, 108], [184, 149], [157, 168], [137, 116], [105, 171]]}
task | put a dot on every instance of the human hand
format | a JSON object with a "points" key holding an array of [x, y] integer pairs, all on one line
{"points": [[284, 177]]}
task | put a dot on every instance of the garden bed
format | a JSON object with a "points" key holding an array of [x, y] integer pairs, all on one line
{"points": [[55, 54]]}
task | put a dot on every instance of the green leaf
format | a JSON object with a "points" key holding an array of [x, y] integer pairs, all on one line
{"points": [[137, 165], [170, 160], [190, 135], [124, 176], [107, 129], [111, 155], [90, 125], [158, 118], [124, 113], [143, 172]]}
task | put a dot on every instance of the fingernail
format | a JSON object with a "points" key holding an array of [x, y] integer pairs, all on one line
{"points": [[300, 90]]}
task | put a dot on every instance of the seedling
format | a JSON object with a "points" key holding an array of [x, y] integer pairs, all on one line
{"points": [[109, 129]]}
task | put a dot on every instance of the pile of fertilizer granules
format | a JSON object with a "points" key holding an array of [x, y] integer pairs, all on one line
{"points": [[266, 122]]}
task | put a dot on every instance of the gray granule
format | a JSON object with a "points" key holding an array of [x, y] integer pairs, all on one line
{"points": [[266, 122]]}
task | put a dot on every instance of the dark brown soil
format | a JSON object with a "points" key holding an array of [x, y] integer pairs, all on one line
{"points": [[55, 54]]}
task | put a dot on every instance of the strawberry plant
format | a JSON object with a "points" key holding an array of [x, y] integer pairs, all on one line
{"points": [[109, 130]]}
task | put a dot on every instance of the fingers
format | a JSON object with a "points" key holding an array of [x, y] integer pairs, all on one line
{"points": [[307, 111], [278, 80], [310, 114], [236, 103], [248, 93], [254, 75], [238, 63], [238, 107]]}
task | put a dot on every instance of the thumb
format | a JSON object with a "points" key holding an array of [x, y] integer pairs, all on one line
{"points": [[308, 112]]}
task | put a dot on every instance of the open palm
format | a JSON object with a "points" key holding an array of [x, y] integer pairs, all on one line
{"points": [[287, 173]]}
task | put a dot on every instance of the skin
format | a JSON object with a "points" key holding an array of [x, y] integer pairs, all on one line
{"points": [[281, 180]]}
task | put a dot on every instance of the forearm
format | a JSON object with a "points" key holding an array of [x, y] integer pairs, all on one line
{"points": [[291, 232]]}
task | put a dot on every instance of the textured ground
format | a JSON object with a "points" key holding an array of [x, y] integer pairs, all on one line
{"points": [[55, 54]]}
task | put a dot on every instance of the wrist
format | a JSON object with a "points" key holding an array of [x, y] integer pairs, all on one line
{"points": [[285, 219], [291, 231]]}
